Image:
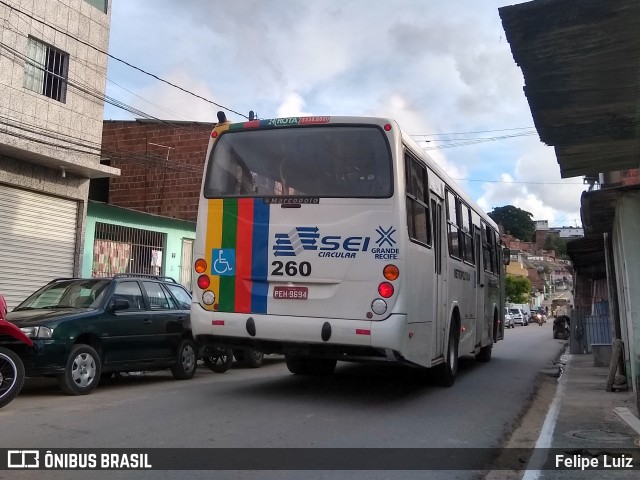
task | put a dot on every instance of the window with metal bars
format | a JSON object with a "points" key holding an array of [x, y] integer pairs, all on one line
{"points": [[119, 249], [46, 70]]}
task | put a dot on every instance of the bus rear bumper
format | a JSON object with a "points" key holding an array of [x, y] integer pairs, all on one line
{"points": [[277, 333]]}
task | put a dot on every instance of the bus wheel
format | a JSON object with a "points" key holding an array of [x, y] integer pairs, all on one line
{"points": [[446, 372], [484, 355], [297, 365], [321, 367]]}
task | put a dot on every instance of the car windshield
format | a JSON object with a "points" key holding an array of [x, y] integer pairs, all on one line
{"points": [[514, 310], [72, 293]]}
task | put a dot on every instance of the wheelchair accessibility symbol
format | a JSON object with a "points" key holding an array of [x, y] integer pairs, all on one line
{"points": [[223, 261]]}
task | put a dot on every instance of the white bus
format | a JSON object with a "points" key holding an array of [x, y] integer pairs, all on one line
{"points": [[338, 238]]}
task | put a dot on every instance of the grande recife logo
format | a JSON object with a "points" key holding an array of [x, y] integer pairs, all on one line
{"points": [[301, 239]]}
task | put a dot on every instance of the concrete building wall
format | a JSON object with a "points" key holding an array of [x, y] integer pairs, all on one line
{"points": [[161, 165], [28, 113], [51, 145], [626, 231]]}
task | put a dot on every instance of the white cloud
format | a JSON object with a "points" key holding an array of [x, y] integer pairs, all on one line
{"points": [[435, 67], [292, 106], [542, 192]]}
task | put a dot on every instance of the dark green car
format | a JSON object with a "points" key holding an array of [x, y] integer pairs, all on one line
{"points": [[84, 328]]}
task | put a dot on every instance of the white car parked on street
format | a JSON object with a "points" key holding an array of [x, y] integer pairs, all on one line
{"points": [[519, 317]]}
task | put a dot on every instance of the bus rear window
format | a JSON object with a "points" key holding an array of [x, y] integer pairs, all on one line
{"points": [[338, 161]]}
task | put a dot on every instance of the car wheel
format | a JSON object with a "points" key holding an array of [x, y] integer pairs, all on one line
{"points": [[220, 361], [447, 371], [82, 371], [11, 376], [185, 366], [254, 358]]}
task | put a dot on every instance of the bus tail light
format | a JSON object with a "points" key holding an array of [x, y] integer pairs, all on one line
{"points": [[385, 289], [391, 272], [203, 282], [200, 265]]}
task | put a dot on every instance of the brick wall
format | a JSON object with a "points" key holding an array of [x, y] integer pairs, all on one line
{"points": [[149, 182]]}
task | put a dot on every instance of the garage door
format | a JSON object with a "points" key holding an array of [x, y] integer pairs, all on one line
{"points": [[37, 241]]}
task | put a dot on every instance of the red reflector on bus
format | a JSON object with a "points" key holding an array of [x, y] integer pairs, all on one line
{"points": [[387, 127], [217, 322], [214, 134], [361, 331]]}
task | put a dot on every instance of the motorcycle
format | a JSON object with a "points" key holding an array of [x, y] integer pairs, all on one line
{"points": [[11, 366], [539, 319]]}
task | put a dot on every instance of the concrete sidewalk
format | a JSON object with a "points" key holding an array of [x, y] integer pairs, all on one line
{"points": [[581, 421]]}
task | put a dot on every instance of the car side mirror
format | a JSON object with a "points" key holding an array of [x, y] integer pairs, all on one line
{"points": [[506, 256], [120, 304]]}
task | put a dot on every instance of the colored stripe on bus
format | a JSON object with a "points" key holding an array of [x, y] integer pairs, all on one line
{"points": [[213, 239], [229, 241], [243, 278], [260, 257]]}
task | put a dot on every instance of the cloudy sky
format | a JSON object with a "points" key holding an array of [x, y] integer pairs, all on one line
{"points": [[442, 68]]}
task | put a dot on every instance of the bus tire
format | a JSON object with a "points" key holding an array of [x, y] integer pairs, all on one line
{"points": [[321, 367], [296, 365], [484, 355], [445, 373]]}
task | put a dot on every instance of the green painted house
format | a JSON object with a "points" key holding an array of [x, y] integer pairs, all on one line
{"points": [[120, 240]]}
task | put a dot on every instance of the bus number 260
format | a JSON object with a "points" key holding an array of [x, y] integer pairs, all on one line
{"points": [[291, 268]]}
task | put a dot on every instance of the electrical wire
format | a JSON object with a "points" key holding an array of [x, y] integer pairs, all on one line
{"points": [[120, 60], [468, 133], [479, 140], [508, 181]]}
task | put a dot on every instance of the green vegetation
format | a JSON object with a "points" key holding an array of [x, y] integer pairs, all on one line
{"points": [[516, 222], [517, 289], [554, 242]]}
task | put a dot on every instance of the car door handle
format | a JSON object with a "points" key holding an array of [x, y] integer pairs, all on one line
{"points": [[147, 321]]}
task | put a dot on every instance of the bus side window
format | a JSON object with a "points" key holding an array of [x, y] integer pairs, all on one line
{"points": [[418, 221], [467, 233], [452, 226]]}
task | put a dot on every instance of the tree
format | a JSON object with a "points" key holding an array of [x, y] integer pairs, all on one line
{"points": [[559, 245], [517, 289], [516, 222]]}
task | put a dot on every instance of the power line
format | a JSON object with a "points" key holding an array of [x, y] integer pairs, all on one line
{"points": [[122, 61], [479, 140], [86, 88], [508, 181], [468, 133]]}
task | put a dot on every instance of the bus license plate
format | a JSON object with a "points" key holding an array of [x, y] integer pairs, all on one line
{"points": [[290, 293]]}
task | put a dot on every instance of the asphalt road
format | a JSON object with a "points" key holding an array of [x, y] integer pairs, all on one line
{"points": [[359, 406]]}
